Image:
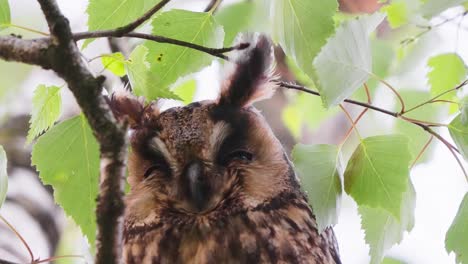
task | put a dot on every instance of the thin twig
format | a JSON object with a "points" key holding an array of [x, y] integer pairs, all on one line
{"points": [[212, 6], [369, 101], [2, 261], [217, 52], [133, 25], [402, 102], [424, 126], [12, 228], [429, 28], [353, 124], [429, 123], [59, 257], [370, 106], [434, 99], [28, 29]]}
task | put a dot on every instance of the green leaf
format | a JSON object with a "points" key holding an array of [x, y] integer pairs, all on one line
{"points": [[229, 16], [459, 133], [115, 63], [391, 261], [170, 62], [382, 230], [186, 91], [301, 27], [3, 176], [397, 13], [435, 7], [296, 114], [456, 239], [383, 56], [47, 105], [140, 78], [67, 157], [5, 17], [110, 14], [345, 62], [320, 168], [377, 172], [446, 72]]}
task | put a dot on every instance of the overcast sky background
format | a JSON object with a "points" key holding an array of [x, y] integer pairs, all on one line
{"points": [[439, 185]]}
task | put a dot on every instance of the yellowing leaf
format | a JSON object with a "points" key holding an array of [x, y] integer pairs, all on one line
{"points": [[3, 176], [167, 63], [382, 229], [459, 133], [186, 91], [397, 13], [345, 62], [5, 17], [377, 173], [320, 170], [47, 105], [115, 63], [447, 71], [67, 157], [456, 239], [301, 27]]}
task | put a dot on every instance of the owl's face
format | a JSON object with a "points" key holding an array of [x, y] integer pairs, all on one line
{"points": [[210, 155]]}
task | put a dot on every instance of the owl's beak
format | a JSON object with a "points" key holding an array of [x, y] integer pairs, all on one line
{"points": [[198, 187]]}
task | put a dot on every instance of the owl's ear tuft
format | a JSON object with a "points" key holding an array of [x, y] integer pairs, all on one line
{"points": [[132, 109], [251, 77]]}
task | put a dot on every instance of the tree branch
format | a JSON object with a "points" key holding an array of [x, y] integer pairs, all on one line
{"points": [[26, 51], [66, 61], [419, 123], [160, 39], [212, 6], [133, 25]]}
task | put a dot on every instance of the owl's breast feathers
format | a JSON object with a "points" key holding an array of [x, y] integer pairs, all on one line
{"points": [[282, 230]]}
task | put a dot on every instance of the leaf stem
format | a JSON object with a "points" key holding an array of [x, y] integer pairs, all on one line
{"points": [[12, 228], [422, 150], [400, 98], [348, 133], [434, 99], [29, 29], [353, 124], [58, 257]]}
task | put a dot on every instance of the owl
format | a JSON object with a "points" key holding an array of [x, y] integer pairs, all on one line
{"points": [[210, 182]]}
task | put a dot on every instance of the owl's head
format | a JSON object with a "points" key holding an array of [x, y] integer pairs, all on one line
{"points": [[208, 155]]}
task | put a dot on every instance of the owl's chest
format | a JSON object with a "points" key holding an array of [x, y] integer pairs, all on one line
{"points": [[286, 235]]}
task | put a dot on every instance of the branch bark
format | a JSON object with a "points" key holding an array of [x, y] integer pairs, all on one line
{"points": [[26, 51], [65, 60]]}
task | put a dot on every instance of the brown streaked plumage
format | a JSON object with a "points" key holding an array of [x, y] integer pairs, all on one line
{"points": [[210, 183]]}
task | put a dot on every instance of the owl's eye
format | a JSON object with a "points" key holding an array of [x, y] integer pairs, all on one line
{"points": [[158, 166], [238, 155]]}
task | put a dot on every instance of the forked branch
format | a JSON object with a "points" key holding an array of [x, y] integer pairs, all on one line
{"points": [[424, 125]]}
